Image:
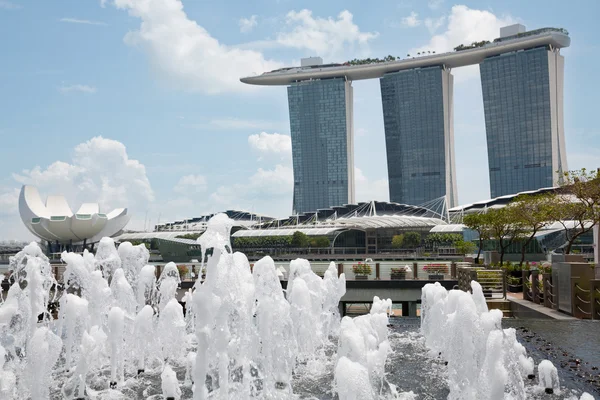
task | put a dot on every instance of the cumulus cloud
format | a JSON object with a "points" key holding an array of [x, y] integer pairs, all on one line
{"points": [[248, 24], [270, 190], [191, 184], [185, 53], [367, 190], [267, 144], [78, 88], [465, 26], [100, 171], [9, 201], [433, 24], [411, 21], [323, 36]]}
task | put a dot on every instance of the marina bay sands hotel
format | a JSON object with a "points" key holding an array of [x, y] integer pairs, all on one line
{"points": [[522, 82]]}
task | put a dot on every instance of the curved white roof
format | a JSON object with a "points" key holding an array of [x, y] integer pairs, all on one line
{"points": [[287, 232], [55, 222], [388, 221], [451, 60]]}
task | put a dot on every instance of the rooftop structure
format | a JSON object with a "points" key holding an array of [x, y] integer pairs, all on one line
{"points": [[198, 224], [554, 37], [522, 84], [56, 223]]}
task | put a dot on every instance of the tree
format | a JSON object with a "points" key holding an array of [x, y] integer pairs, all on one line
{"points": [[479, 224], [464, 247], [533, 213], [299, 240], [397, 241], [503, 227], [319, 241], [578, 201], [412, 240]]}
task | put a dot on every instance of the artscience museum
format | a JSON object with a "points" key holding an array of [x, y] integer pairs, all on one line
{"points": [[55, 223]]}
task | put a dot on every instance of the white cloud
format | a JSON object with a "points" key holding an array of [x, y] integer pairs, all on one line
{"points": [[411, 21], [7, 5], [465, 26], [367, 190], [434, 4], [191, 184], [9, 201], [323, 36], [433, 24], [82, 21], [248, 24], [185, 53], [100, 171], [78, 88], [271, 144], [262, 187]]}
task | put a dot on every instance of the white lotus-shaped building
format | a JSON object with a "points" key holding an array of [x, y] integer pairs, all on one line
{"points": [[55, 222]]}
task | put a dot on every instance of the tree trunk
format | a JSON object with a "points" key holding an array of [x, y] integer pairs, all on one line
{"points": [[501, 253], [523, 248], [479, 250], [571, 241]]}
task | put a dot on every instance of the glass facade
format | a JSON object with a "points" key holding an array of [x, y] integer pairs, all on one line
{"points": [[522, 97], [322, 143], [417, 114]]}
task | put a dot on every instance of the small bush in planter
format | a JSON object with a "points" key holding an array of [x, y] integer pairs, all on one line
{"points": [[183, 270], [361, 269], [399, 273]]}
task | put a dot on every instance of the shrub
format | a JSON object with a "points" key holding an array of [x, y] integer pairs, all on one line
{"points": [[183, 270], [361, 269], [397, 241], [412, 240], [299, 239]]}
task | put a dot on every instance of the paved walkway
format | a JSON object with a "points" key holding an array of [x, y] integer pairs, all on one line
{"points": [[548, 312]]}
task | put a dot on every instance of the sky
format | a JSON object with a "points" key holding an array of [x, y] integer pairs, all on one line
{"points": [[138, 104]]}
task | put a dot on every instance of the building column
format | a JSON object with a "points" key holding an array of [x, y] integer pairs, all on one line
{"points": [[417, 110], [322, 130], [412, 309]]}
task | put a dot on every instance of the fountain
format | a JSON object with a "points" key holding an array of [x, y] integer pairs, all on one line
{"points": [[121, 333]]}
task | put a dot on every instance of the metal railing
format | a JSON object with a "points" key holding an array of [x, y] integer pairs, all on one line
{"points": [[492, 281], [586, 299]]}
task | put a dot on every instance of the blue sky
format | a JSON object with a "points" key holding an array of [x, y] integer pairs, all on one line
{"points": [[137, 103]]}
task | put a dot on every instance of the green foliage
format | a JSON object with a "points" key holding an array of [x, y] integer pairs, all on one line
{"points": [[412, 240], [479, 224], [435, 240], [473, 45], [183, 270], [299, 240], [464, 247], [319, 241], [262, 242], [397, 241], [584, 185], [361, 269], [191, 236], [532, 213], [365, 61]]}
